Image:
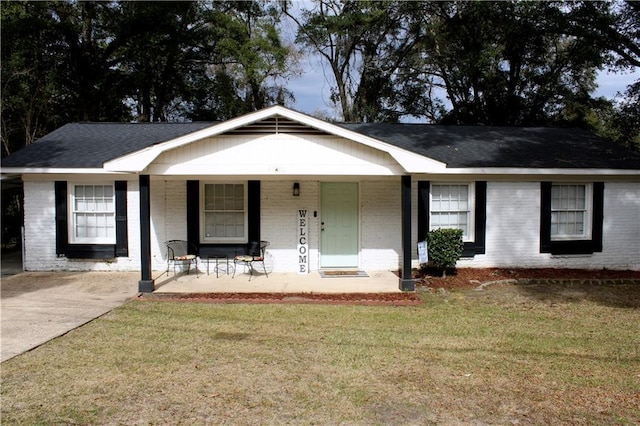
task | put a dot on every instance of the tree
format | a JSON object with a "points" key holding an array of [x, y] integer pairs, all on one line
{"points": [[363, 42], [613, 27], [29, 81], [501, 63], [91, 86], [253, 63], [619, 120], [159, 45], [66, 61], [494, 63], [202, 60], [56, 69]]}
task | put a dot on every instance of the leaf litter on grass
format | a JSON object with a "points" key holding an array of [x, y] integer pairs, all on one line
{"points": [[497, 356]]}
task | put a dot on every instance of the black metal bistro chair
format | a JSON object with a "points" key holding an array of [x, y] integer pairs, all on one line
{"points": [[183, 253], [255, 254]]}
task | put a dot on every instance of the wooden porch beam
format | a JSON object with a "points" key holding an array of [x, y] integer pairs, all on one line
{"points": [[146, 283], [406, 280]]}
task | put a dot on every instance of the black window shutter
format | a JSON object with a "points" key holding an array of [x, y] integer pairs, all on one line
{"points": [[481, 217], [193, 220], [598, 216], [62, 236], [471, 248], [545, 217], [571, 246], [424, 187], [80, 251], [253, 205], [122, 235], [193, 212]]}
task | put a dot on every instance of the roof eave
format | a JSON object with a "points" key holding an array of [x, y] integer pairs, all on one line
{"points": [[541, 171], [54, 171]]}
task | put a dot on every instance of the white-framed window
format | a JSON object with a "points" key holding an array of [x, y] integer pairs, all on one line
{"points": [[571, 211], [92, 214], [451, 206], [224, 212]]}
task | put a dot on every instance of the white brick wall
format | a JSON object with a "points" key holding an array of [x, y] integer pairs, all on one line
{"points": [[621, 233], [381, 226], [278, 223], [132, 261], [168, 217], [512, 229], [379, 223], [40, 228]]}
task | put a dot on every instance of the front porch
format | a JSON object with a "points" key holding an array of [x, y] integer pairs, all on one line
{"points": [[277, 282]]}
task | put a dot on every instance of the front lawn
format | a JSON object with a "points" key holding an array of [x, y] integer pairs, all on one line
{"points": [[506, 355]]}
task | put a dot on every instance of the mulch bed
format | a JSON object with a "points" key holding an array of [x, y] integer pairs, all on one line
{"points": [[367, 299], [425, 279], [473, 277]]}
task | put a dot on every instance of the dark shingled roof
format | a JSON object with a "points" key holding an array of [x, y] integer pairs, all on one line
{"points": [[524, 147], [90, 145]]}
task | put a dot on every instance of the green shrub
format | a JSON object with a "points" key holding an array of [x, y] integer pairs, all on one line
{"points": [[445, 248]]}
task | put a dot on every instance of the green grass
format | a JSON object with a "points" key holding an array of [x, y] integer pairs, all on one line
{"points": [[458, 359]]}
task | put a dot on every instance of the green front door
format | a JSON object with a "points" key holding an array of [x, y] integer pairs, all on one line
{"points": [[339, 225]]}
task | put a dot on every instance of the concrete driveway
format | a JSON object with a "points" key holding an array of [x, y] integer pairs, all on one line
{"points": [[39, 306]]}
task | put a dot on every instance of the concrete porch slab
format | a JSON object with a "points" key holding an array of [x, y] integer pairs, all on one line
{"points": [[376, 282]]}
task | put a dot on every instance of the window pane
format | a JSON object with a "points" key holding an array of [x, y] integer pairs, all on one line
{"points": [[93, 212], [568, 210], [464, 192], [229, 203], [450, 207], [215, 203], [454, 192], [224, 215], [580, 222], [581, 198]]}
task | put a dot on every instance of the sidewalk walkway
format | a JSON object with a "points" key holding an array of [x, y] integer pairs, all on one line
{"points": [[39, 306]]}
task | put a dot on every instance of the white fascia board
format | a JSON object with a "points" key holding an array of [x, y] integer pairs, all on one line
{"points": [[53, 171], [138, 161], [534, 171]]}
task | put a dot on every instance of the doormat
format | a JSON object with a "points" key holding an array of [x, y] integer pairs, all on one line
{"points": [[343, 274]]}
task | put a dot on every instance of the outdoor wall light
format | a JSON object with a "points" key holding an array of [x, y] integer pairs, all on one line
{"points": [[296, 189]]}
